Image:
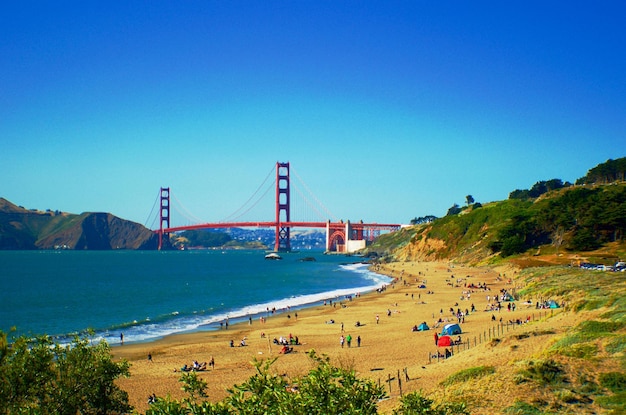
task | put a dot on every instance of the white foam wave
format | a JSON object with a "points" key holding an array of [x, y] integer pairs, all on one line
{"points": [[148, 330]]}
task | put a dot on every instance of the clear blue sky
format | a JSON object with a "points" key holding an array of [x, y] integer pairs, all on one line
{"points": [[387, 110]]}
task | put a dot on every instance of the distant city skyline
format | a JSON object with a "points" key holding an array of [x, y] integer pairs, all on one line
{"points": [[386, 110]]}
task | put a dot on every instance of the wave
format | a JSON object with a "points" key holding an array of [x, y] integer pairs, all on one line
{"points": [[152, 329]]}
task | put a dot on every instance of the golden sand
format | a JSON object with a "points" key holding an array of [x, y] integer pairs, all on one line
{"points": [[388, 345]]}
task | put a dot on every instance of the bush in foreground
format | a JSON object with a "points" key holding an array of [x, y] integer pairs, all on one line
{"points": [[40, 377]]}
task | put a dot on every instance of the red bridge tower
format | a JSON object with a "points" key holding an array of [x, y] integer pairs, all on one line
{"points": [[282, 243], [164, 215]]}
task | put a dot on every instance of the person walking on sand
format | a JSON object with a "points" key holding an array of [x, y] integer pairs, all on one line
{"points": [[348, 340], [358, 341], [436, 339], [341, 340]]}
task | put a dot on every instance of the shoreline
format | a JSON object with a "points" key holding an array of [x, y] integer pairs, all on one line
{"points": [[269, 309], [388, 344]]}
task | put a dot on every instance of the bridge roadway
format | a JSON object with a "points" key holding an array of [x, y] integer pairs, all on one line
{"points": [[359, 226]]}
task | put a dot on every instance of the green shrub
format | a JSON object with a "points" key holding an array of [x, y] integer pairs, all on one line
{"points": [[543, 372], [468, 374], [416, 403], [613, 381], [41, 377], [522, 408], [616, 345]]}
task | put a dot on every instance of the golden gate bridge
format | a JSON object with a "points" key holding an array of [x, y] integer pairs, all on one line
{"points": [[342, 237]]}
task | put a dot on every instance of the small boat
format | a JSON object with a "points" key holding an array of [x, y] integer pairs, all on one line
{"points": [[273, 255]]}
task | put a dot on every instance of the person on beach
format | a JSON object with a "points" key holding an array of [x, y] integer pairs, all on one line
{"points": [[342, 340], [436, 339], [122, 338], [348, 340], [212, 363], [358, 341]]}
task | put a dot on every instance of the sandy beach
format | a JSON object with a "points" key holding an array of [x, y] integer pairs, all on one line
{"points": [[388, 346]]}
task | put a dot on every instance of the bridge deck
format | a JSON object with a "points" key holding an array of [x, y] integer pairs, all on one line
{"points": [[332, 225]]}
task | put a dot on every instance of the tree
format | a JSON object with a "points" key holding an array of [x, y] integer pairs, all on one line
{"points": [[519, 194], [423, 219], [454, 210], [469, 199], [50, 378]]}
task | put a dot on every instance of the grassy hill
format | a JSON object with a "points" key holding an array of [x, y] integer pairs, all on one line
{"points": [[21, 228], [575, 219]]}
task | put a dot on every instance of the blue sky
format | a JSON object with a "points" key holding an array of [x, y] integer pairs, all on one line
{"points": [[387, 110]]}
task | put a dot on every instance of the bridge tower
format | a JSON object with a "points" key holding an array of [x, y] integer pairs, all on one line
{"points": [[164, 215], [282, 243]]}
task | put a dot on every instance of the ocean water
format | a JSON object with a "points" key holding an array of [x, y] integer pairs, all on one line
{"points": [[149, 294]]}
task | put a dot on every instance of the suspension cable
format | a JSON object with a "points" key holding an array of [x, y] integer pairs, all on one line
{"points": [[270, 187], [330, 215], [151, 212], [311, 206], [236, 212], [188, 215]]}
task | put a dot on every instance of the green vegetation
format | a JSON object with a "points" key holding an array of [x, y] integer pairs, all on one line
{"points": [[468, 374], [205, 238], [576, 218], [541, 372], [416, 403], [32, 229], [551, 214], [40, 377], [523, 408], [326, 389], [607, 172]]}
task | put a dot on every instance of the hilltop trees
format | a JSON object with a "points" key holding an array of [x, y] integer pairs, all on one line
{"points": [[538, 189], [423, 219], [607, 172], [454, 210]]}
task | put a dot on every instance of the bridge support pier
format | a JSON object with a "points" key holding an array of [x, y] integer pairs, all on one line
{"points": [[344, 237]]}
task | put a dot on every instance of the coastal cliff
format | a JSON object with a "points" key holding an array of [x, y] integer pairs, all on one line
{"points": [[21, 228]]}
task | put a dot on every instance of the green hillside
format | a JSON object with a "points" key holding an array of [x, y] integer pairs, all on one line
{"points": [[551, 218], [21, 228]]}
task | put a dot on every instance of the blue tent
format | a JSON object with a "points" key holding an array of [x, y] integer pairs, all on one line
{"points": [[553, 304], [451, 329], [423, 327]]}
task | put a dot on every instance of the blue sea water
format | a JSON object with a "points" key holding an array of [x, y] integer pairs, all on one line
{"points": [[149, 294]]}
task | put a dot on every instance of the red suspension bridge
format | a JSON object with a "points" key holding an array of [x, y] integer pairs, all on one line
{"points": [[341, 236]]}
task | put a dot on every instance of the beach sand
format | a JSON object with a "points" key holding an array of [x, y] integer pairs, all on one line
{"points": [[388, 346]]}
